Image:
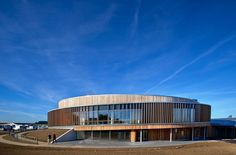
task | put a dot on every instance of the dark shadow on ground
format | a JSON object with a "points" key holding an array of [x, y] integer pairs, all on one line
{"points": [[232, 141]]}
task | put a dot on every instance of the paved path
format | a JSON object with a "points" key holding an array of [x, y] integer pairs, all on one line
{"points": [[29, 140], [40, 144], [14, 142], [101, 143]]}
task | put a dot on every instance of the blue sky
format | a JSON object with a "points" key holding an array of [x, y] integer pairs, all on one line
{"points": [[50, 50]]}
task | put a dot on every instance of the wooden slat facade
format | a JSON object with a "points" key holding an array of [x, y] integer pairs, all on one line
{"points": [[152, 113], [119, 98]]}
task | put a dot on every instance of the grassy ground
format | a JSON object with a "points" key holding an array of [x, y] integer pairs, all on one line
{"points": [[212, 148], [10, 138], [3, 132], [42, 135]]}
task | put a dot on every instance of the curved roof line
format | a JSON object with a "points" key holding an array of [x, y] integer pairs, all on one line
{"points": [[120, 98], [129, 95]]}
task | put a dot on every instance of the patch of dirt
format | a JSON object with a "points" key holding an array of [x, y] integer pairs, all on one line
{"points": [[3, 132], [10, 138], [206, 148], [42, 135]]}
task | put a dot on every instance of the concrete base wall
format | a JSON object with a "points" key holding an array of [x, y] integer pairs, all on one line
{"points": [[68, 136]]}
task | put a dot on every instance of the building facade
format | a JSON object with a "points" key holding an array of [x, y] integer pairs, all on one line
{"points": [[132, 117]]}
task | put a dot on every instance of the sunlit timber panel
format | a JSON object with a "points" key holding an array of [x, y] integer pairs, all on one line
{"points": [[119, 98], [139, 127]]}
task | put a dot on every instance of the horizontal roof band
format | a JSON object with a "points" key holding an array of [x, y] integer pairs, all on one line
{"points": [[120, 98]]}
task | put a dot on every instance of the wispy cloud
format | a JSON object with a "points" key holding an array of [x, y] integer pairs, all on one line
{"points": [[23, 106], [227, 58], [98, 24], [16, 87], [207, 93], [48, 94], [135, 19], [32, 115], [59, 55], [209, 51], [44, 91]]}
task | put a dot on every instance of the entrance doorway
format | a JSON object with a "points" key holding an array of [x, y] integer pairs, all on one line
{"points": [[144, 135]]}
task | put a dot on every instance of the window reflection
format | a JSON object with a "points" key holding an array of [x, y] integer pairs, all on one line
{"points": [[110, 114], [133, 113]]}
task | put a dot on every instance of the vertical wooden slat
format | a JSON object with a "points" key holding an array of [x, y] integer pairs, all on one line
{"points": [[151, 113]]}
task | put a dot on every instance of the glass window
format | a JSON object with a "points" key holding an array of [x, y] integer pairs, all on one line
{"points": [[110, 114], [117, 106], [103, 114]]}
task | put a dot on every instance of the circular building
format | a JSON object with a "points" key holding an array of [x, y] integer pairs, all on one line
{"points": [[132, 117]]}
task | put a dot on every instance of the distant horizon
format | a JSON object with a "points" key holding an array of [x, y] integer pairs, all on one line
{"points": [[21, 122], [51, 50]]}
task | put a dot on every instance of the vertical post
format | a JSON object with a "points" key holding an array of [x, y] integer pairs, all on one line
{"points": [[109, 135], [141, 135], [204, 133], [171, 135], [92, 135], [234, 132], [192, 134], [225, 132]]}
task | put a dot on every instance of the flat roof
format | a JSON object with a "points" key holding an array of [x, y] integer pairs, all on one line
{"points": [[230, 122]]}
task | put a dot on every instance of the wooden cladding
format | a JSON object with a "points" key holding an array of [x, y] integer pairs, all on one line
{"points": [[133, 136], [159, 134], [148, 113], [60, 117], [118, 98], [139, 127]]}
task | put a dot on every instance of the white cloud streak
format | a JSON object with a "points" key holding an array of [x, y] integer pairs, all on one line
{"points": [[31, 115], [47, 47], [207, 93], [135, 19], [209, 51]]}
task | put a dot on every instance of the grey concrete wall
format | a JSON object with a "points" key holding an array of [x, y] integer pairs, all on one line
{"points": [[68, 136]]}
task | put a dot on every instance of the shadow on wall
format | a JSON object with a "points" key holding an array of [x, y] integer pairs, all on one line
{"points": [[67, 136]]}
